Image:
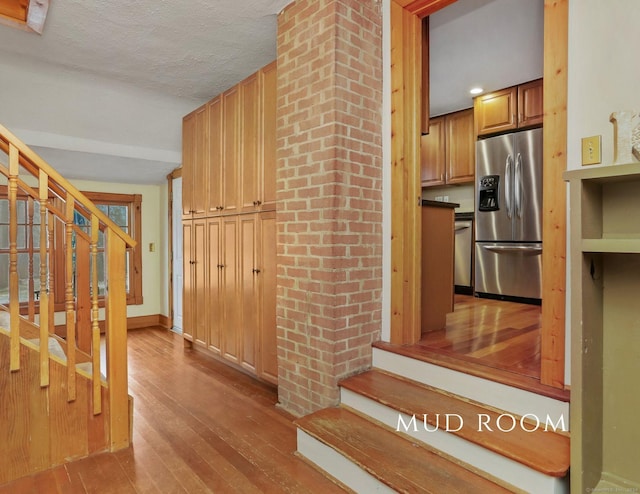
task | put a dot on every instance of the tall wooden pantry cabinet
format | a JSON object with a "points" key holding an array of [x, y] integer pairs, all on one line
{"points": [[229, 161]]}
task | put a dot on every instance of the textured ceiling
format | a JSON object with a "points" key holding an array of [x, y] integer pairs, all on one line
{"points": [[192, 49]]}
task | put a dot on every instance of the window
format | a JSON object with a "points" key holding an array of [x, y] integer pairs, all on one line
{"points": [[123, 209]]}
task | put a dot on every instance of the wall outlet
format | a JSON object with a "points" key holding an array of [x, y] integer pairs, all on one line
{"points": [[439, 198], [446, 198]]}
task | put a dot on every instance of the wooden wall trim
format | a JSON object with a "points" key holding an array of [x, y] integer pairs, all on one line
{"points": [[406, 37], [423, 8], [554, 235]]}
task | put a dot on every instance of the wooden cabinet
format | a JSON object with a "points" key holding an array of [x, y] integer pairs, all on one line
{"points": [[432, 153], [231, 146], [250, 133], [215, 198], [516, 107], [268, 341], [229, 248], [605, 335], [195, 163], [195, 281], [448, 152], [460, 147], [268, 99]]}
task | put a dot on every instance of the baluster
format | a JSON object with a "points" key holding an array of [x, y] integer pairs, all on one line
{"points": [[30, 246], [69, 301], [82, 292], [44, 295], [51, 220], [97, 388], [14, 290]]}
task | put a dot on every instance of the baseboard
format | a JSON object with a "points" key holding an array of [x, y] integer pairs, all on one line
{"points": [[137, 322]]}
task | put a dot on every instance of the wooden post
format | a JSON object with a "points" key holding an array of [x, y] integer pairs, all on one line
{"points": [[14, 289], [95, 328], [44, 294], [116, 319], [83, 295], [69, 301]]}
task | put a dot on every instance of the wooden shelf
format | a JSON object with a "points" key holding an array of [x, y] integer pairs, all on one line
{"points": [[611, 245]]}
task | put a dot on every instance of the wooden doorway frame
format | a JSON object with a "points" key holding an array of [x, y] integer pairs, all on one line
{"points": [[406, 236]]}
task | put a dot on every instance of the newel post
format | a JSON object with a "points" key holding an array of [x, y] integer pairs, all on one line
{"points": [[116, 335]]}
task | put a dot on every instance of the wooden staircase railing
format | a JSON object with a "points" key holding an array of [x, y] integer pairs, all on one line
{"points": [[49, 220]]}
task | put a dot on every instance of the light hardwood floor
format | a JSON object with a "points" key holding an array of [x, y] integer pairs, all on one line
{"points": [[501, 335], [199, 427]]}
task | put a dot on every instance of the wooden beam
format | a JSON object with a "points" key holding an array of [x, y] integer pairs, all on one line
{"points": [[554, 198], [423, 8]]}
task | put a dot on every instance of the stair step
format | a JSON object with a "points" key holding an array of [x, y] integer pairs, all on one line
{"points": [[397, 462], [546, 452], [480, 387]]}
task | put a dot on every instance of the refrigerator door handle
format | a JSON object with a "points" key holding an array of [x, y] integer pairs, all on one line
{"points": [[531, 250], [518, 186], [507, 186]]}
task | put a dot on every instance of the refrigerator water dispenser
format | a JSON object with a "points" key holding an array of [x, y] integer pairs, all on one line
{"points": [[488, 195]]}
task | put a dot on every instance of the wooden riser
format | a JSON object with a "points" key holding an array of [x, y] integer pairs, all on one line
{"points": [[376, 459], [497, 395], [535, 462]]}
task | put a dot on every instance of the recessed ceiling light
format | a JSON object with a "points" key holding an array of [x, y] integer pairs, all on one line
{"points": [[476, 90]]}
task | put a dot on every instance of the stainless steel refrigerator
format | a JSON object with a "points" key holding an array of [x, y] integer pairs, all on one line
{"points": [[508, 216]]}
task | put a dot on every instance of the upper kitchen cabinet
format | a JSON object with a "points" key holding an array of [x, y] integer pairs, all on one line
{"points": [[516, 107], [460, 148], [448, 151], [195, 163], [432, 153]]}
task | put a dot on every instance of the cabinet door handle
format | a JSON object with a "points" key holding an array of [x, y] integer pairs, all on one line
{"points": [[220, 266], [257, 203], [192, 262], [255, 271]]}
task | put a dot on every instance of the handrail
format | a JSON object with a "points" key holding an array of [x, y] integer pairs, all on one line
{"points": [[6, 137]]}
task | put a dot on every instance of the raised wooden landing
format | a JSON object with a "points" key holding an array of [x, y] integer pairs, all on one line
{"points": [[402, 464], [477, 369], [545, 452]]}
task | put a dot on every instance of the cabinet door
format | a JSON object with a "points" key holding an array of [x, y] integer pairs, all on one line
{"points": [[214, 292], [530, 108], [496, 112], [268, 141], [201, 164], [188, 318], [461, 149], [188, 162], [215, 155], [432, 153], [230, 306], [268, 341], [250, 171], [248, 290], [199, 298], [231, 146]]}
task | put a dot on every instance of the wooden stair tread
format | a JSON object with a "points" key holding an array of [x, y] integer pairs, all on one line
{"points": [[469, 366], [544, 451], [402, 464]]}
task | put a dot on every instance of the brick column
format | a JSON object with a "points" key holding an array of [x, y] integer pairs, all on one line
{"points": [[329, 183]]}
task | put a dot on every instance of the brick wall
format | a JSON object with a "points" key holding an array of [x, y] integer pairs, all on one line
{"points": [[329, 183]]}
